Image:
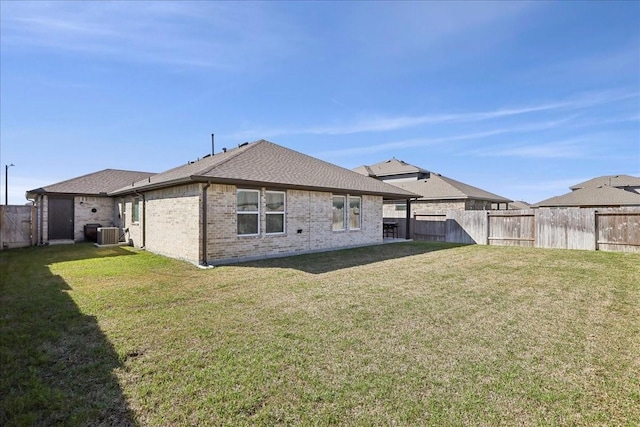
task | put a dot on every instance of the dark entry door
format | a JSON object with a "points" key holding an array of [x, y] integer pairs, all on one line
{"points": [[60, 218]]}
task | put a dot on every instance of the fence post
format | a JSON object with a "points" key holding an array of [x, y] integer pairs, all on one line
{"points": [[488, 227], [407, 234], [595, 226]]}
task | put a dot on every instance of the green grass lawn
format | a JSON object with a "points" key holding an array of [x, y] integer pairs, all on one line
{"points": [[403, 334]]}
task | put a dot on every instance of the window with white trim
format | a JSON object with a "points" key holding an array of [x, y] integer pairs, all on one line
{"points": [[275, 210], [339, 212], [355, 219], [135, 216], [248, 212]]}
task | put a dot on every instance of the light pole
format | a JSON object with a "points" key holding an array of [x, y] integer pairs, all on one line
{"points": [[6, 184]]}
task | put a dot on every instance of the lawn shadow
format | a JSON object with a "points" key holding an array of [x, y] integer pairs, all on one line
{"points": [[57, 364], [324, 262]]}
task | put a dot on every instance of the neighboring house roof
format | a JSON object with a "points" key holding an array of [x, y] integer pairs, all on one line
{"points": [[610, 180], [96, 183], [438, 187], [389, 168], [429, 185], [265, 163], [602, 196], [519, 204]]}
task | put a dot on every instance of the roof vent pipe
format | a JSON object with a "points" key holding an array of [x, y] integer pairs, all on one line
{"points": [[212, 146]]}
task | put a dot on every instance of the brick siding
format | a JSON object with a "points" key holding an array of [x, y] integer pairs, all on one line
{"points": [[83, 206], [174, 222], [309, 212]]}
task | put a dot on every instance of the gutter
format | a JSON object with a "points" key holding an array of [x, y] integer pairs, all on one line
{"points": [[402, 195], [34, 227], [240, 182]]}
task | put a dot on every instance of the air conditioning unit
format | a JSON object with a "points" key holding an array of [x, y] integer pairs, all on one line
{"points": [[108, 235]]}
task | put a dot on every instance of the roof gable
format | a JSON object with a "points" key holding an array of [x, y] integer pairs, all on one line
{"points": [[96, 183], [601, 196], [265, 163]]}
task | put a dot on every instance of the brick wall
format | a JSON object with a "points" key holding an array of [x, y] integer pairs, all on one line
{"points": [[132, 230], [437, 205], [308, 226], [43, 221], [82, 214], [477, 205], [440, 206], [83, 206], [172, 221]]}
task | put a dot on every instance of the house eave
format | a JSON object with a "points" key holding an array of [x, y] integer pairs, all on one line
{"points": [[151, 186], [255, 183], [252, 183], [486, 199], [42, 192]]}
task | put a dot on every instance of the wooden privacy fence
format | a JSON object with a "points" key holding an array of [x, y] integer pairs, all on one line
{"points": [[16, 226], [563, 228]]}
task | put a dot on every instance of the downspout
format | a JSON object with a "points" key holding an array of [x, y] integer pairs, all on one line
{"points": [[34, 227], [144, 219], [203, 260]]}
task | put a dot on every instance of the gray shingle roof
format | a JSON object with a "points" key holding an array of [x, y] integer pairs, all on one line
{"points": [[602, 196], [519, 204], [265, 163], [389, 168], [438, 187], [434, 187], [610, 180], [96, 183]]}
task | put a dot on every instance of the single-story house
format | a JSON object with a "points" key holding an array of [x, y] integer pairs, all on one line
{"points": [[254, 201], [623, 182], [64, 208], [438, 193], [602, 196]]}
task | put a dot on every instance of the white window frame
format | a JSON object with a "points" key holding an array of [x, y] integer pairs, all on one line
{"points": [[349, 215], [344, 212], [257, 213], [135, 210], [283, 213]]}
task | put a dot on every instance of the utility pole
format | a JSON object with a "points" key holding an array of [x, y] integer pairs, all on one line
{"points": [[6, 184]]}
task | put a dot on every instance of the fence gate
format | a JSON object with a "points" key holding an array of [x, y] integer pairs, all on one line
{"points": [[16, 224]]}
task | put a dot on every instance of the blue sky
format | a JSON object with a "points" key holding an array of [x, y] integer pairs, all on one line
{"points": [[522, 99]]}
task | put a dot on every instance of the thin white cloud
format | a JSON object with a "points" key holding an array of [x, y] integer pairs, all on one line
{"points": [[566, 149], [384, 124], [421, 142], [203, 34]]}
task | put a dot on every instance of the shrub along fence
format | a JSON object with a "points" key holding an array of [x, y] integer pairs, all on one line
{"points": [[565, 228]]}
